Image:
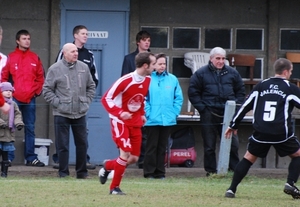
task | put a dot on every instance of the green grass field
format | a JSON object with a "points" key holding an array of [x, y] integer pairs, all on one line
{"points": [[253, 191]]}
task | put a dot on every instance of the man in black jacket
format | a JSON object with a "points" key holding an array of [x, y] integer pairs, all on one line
{"points": [[210, 87], [143, 43], [80, 34]]}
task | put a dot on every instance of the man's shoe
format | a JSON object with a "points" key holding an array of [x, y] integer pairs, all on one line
{"points": [[35, 163], [62, 175], [116, 191], [210, 173], [292, 190], [90, 166], [83, 177], [9, 163], [56, 165], [103, 174], [229, 194]]}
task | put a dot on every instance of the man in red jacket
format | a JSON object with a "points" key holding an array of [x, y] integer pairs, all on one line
{"points": [[24, 68]]}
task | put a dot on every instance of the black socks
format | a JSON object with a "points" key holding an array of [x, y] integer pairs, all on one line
{"points": [[240, 172]]}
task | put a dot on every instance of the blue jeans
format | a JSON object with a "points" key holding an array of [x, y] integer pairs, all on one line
{"points": [[28, 114]]}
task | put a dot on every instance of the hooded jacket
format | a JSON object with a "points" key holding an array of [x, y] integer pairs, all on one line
{"points": [[164, 100]]}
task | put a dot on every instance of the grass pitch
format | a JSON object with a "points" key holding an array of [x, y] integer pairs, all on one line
{"points": [[50, 191]]}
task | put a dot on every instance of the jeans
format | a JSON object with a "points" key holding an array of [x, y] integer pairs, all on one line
{"points": [[211, 129], [28, 115], [62, 137]]}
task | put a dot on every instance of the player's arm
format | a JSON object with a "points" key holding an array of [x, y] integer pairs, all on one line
{"points": [[108, 99], [229, 131]]}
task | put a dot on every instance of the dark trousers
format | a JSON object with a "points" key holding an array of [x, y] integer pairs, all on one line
{"points": [[211, 130], [55, 155], [143, 148], [157, 140], [62, 136]]}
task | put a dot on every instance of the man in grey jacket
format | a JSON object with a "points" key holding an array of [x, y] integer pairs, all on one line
{"points": [[69, 88]]}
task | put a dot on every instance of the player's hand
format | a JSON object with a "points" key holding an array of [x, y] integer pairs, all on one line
{"points": [[229, 131], [126, 115]]}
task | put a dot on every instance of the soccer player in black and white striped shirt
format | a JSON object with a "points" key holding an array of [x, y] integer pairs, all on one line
{"points": [[272, 101]]}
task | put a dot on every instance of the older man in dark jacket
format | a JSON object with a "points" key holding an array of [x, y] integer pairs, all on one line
{"points": [[210, 87]]}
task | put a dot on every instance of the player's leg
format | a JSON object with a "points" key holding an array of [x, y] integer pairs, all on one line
{"points": [[254, 150], [120, 134], [292, 148]]}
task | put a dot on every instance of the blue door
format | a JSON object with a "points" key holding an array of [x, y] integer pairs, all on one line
{"points": [[108, 26]]}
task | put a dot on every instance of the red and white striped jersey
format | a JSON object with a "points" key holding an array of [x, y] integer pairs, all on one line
{"points": [[127, 94]]}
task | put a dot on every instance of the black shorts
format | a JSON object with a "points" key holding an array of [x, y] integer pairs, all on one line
{"points": [[288, 147]]}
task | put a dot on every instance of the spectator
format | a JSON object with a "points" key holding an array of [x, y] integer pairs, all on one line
{"points": [[69, 88], [8, 123], [163, 105], [272, 102], [210, 87], [80, 35], [124, 102], [25, 69], [143, 41]]}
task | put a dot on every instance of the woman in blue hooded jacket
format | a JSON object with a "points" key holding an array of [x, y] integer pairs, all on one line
{"points": [[163, 105]]}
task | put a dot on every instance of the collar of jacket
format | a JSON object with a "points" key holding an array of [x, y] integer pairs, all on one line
{"points": [[159, 74], [78, 47], [21, 51], [69, 65], [137, 50], [211, 67]]}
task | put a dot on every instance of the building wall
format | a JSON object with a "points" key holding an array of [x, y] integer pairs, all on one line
{"points": [[33, 16], [42, 19]]}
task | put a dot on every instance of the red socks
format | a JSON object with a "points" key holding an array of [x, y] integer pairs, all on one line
{"points": [[110, 165], [119, 167]]}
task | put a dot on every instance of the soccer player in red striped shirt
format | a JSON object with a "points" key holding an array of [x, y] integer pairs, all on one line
{"points": [[124, 102]]}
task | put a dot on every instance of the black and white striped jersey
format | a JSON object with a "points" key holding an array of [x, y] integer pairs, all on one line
{"points": [[272, 101]]}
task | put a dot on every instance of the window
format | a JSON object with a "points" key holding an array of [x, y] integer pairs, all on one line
{"points": [[218, 38], [179, 69], [186, 38], [290, 39], [249, 39], [159, 36]]}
